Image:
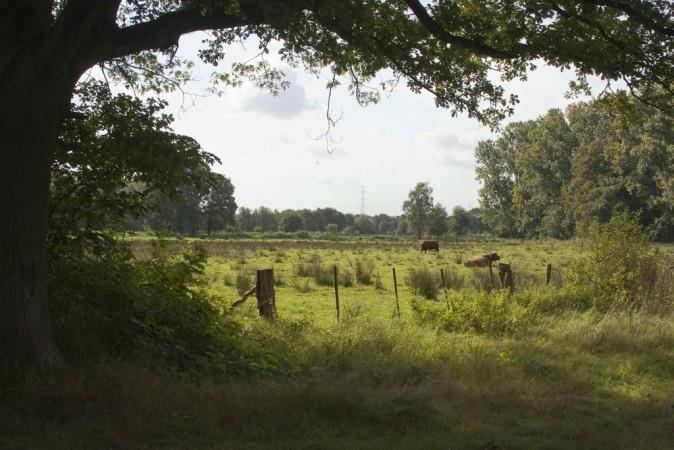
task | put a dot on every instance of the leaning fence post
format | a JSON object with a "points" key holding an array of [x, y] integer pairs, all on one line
{"points": [[395, 288], [264, 291], [548, 274], [334, 271]]}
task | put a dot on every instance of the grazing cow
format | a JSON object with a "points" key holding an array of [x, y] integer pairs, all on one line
{"points": [[430, 245], [481, 261]]}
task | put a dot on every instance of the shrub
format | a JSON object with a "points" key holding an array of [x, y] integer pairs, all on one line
{"points": [[424, 282], [475, 311], [498, 312], [115, 305], [619, 265]]}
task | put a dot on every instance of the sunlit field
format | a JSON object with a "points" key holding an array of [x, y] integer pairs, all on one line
{"points": [[364, 266]]}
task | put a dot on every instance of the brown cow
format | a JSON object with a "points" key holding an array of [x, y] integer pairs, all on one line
{"points": [[481, 261], [430, 245]]}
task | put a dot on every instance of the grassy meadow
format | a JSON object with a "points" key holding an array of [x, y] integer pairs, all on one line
{"points": [[304, 276], [541, 368]]}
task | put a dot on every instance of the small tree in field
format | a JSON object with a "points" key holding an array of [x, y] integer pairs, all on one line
{"points": [[418, 207]]}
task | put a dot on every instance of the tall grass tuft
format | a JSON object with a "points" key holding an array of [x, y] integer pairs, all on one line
{"points": [[244, 280], [301, 285], [424, 282], [454, 279], [364, 271]]}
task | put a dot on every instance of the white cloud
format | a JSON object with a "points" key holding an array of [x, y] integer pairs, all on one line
{"points": [[289, 103]]}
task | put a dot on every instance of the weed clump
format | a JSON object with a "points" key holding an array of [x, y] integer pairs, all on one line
{"points": [[323, 274], [364, 271], [244, 280], [424, 282]]}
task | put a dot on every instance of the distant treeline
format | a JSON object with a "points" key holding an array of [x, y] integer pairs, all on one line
{"points": [[554, 175], [182, 214]]}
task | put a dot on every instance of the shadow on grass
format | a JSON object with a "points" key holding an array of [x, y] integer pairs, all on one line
{"points": [[553, 389]]}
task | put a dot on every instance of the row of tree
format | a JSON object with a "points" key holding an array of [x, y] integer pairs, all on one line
{"points": [[554, 175], [424, 217], [193, 211]]}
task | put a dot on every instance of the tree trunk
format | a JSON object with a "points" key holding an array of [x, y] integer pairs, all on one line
{"points": [[33, 98]]}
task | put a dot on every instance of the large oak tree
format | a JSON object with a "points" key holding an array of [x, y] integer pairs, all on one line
{"points": [[449, 48]]}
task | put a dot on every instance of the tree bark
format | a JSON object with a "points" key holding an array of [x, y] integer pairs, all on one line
{"points": [[33, 97]]}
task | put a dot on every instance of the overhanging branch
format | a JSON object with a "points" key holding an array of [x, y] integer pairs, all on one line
{"points": [[634, 14], [437, 30], [165, 31]]}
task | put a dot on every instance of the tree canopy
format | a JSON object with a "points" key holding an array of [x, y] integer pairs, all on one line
{"points": [[445, 47], [418, 207], [558, 173]]}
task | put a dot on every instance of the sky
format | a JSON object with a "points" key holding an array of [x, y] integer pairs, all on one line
{"points": [[269, 147]]}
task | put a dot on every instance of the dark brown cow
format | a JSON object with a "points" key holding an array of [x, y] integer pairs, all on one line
{"points": [[481, 261], [430, 245]]}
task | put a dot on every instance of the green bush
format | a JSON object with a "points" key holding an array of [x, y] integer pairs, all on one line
{"points": [[619, 265], [498, 312], [115, 305]]}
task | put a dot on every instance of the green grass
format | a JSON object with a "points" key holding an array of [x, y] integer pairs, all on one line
{"points": [[540, 369]]}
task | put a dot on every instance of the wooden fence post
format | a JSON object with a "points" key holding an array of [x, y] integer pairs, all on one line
{"points": [[265, 293], [444, 286], [334, 271], [505, 275], [491, 275], [548, 274], [395, 288]]}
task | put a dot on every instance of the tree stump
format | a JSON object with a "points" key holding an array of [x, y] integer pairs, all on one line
{"points": [[265, 293]]}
